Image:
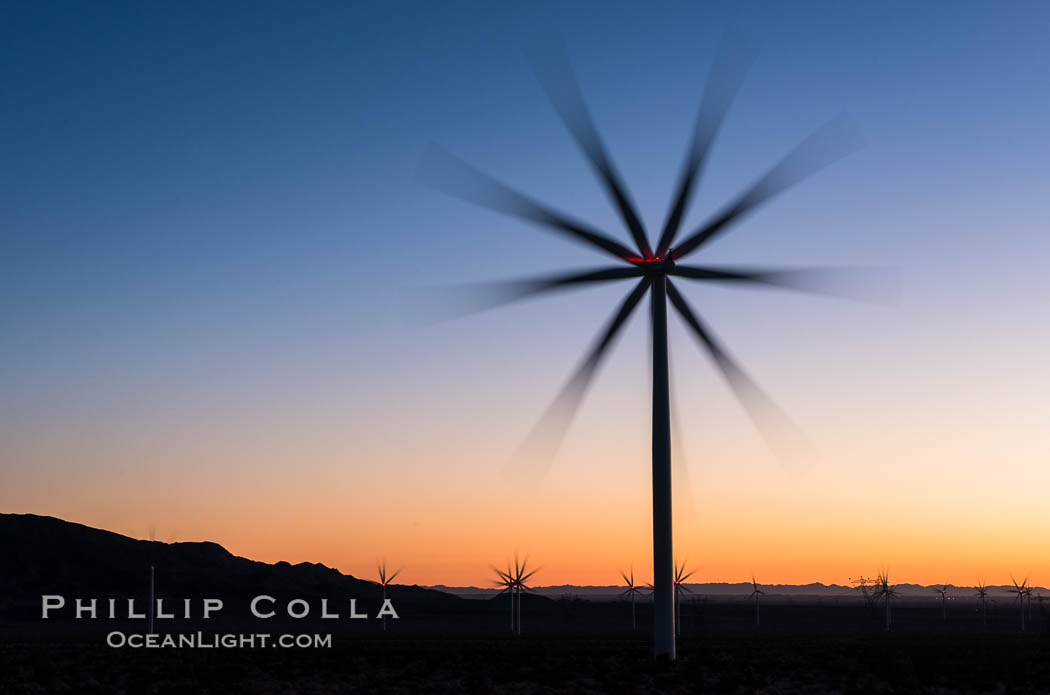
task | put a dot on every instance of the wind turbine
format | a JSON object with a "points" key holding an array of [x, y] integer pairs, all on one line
{"points": [[152, 596], [651, 270], [680, 588], [506, 580], [754, 595], [385, 581], [514, 581], [943, 591], [521, 575], [884, 592], [631, 591], [1019, 593], [982, 593]]}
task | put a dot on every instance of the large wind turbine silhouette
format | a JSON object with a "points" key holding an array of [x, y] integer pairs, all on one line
{"points": [[652, 270]]}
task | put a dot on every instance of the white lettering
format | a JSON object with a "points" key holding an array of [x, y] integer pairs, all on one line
{"points": [[211, 605], [354, 615], [51, 602], [85, 608], [305, 611], [387, 609], [255, 610]]}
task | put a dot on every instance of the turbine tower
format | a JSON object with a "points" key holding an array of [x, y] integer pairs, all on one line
{"points": [[652, 270], [385, 581], [632, 592], [884, 592], [680, 588], [982, 594], [943, 591], [152, 593], [754, 595], [514, 581], [1019, 593], [506, 580]]}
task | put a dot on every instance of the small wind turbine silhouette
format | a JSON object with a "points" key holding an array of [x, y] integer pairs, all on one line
{"points": [[754, 595], [943, 591], [651, 270], [884, 592], [385, 581], [514, 579], [1019, 593], [631, 591], [982, 594], [506, 580], [680, 588], [1028, 599], [152, 596]]}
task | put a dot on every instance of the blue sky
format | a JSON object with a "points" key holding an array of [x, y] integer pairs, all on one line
{"points": [[209, 216]]}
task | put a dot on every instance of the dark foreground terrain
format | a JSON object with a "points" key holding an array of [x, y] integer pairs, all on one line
{"points": [[773, 663], [442, 643]]}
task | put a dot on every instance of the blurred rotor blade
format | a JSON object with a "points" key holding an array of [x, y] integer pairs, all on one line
{"points": [[723, 83], [543, 441], [876, 285], [437, 303], [834, 140], [556, 76], [782, 435], [451, 175]]}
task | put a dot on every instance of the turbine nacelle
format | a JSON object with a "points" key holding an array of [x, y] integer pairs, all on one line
{"points": [[655, 265]]}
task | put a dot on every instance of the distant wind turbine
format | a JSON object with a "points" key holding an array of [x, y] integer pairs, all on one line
{"points": [[152, 555], [982, 594], [631, 591], [884, 592], [1019, 593], [754, 595], [506, 580], [680, 588], [385, 581], [943, 591], [515, 580], [1028, 599], [651, 270], [152, 596]]}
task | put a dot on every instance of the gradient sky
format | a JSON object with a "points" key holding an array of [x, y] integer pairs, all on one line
{"points": [[210, 223]]}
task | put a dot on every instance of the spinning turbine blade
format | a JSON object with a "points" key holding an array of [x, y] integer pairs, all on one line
{"points": [[862, 284], [834, 140], [545, 438], [449, 174], [782, 436], [460, 300], [557, 79], [723, 83]]}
